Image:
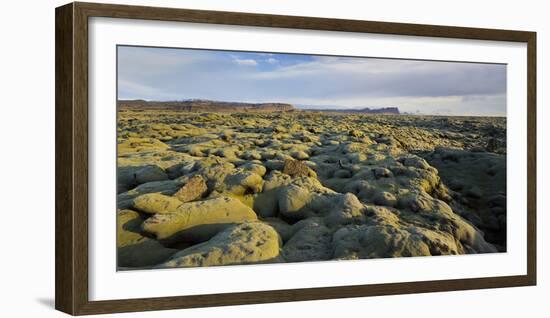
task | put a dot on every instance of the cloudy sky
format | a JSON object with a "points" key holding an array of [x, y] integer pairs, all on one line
{"points": [[307, 81]]}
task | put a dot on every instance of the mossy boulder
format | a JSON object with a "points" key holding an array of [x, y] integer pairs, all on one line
{"points": [[385, 198], [242, 183], [156, 203], [377, 241], [255, 168], [311, 242], [134, 249], [293, 202], [125, 200], [300, 155], [198, 221], [129, 177], [266, 203], [341, 209], [246, 243], [136, 144]]}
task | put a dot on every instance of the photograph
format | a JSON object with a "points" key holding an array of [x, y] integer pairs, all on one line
{"points": [[237, 158]]}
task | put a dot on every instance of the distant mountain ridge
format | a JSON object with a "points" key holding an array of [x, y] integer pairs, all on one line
{"points": [[366, 110], [201, 105]]}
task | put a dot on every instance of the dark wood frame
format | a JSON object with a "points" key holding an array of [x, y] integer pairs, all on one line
{"points": [[71, 157]]}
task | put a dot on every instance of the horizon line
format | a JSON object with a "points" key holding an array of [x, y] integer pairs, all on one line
{"points": [[327, 108]]}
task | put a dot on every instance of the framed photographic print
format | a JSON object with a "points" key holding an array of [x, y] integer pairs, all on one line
{"points": [[211, 158]]}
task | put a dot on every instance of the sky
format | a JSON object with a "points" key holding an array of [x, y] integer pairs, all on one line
{"points": [[312, 81]]}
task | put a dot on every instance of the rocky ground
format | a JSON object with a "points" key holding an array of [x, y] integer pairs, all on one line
{"points": [[206, 189]]}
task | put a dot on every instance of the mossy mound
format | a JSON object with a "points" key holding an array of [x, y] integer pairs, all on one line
{"points": [[198, 221], [246, 243]]}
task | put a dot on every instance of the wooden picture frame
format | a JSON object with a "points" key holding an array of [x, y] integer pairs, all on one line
{"points": [[71, 90]]}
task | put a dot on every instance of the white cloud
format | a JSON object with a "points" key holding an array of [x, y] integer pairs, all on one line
{"points": [[329, 65], [137, 88], [246, 62], [132, 90], [272, 60], [340, 77], [142, 59]]}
